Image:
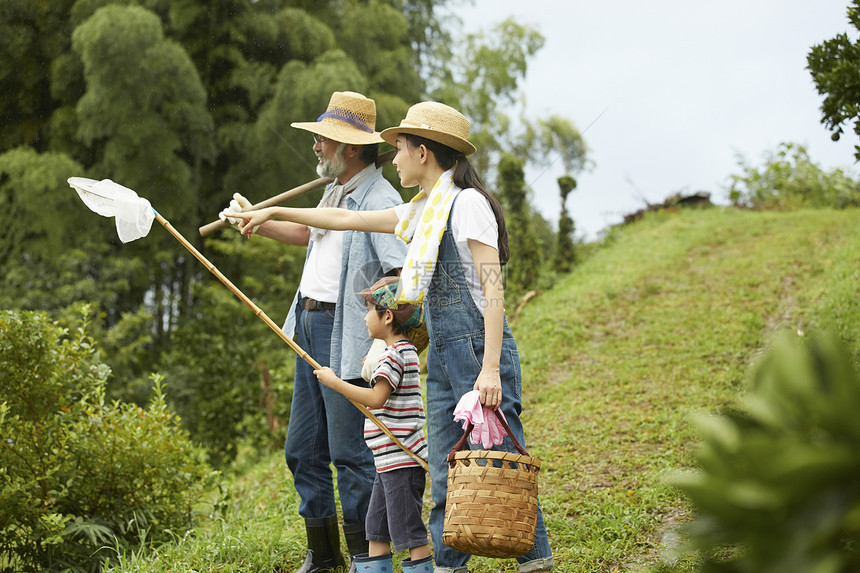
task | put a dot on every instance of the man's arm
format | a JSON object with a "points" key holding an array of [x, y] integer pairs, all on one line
{"points": [[282, 231], [285, 232]]}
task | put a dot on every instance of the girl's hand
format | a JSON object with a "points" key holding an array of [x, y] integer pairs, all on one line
{"points": [[251, 219], [489, 386]]}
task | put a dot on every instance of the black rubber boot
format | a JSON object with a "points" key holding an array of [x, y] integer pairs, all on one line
{"points": [[334, 542], [323, 546], [356, 542]]}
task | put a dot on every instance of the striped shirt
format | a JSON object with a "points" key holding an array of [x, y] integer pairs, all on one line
{"points": [[402, 413]]}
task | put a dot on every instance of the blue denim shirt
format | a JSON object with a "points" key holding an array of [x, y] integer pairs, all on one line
{"points": [[367, 257]]}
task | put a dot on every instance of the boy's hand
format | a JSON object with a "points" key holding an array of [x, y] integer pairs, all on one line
{"points": [[325, 376]]}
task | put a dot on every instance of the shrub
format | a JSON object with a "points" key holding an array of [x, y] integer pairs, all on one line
{"points": [[778, 487], [80, 477], [790, 180]]}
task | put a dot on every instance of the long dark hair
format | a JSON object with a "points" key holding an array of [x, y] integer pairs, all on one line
{"points": [[465, 177]]}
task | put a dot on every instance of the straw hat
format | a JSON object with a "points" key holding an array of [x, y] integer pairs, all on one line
{"points": [[350, 118], [437, 122]]}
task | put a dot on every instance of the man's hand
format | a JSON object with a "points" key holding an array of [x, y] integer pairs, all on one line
{"points": [[237, 205], [250, 221]]}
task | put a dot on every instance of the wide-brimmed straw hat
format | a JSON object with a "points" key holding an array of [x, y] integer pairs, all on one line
{"points": [[437, 122], [350, 118], [383, 294]]}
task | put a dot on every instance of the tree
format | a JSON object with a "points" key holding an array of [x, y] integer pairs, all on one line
{"points": [[272, 148], [144, 107], [168, 98], [187, 102], [222, 401], [523, 269], [483, 74], [33, 35], [834, 66], [481, 77], [565, 253]]}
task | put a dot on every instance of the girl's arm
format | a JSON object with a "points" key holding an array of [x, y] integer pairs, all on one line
{"points": [[323, 218], [373, 397], [489, 383]]}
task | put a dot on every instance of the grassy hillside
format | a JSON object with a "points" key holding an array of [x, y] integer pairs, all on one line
{"points": [[663, 320]]}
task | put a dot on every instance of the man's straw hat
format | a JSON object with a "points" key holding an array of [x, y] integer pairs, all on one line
{"points": [[437, 122], [350, 118]]}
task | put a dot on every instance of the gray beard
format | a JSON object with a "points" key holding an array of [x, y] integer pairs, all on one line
{"points": [[335, 167]]}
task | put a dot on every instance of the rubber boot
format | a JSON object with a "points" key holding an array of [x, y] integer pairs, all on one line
{"points": [[323, 546], [334, 542], [423, 565], [356, 542], [378, 564]]}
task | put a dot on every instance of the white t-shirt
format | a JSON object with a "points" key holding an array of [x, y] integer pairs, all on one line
{"points": [[321, 274], [471, 218]]}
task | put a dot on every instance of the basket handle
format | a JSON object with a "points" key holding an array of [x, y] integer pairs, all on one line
{"points": [[462, 441]]}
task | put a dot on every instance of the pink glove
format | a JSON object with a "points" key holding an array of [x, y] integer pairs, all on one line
{"points": [[487, 430]]}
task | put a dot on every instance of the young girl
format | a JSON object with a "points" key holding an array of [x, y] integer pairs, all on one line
{"points": [[457, 244]]}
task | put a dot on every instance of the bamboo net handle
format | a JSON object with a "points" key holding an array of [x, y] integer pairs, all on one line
{"points": [[293, 193], [290, 342]]}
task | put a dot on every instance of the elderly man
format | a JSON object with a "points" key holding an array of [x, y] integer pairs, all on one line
{"points": [[327, 318]]}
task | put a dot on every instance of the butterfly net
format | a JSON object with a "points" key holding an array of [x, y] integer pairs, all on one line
{"points": [[133, 214]]}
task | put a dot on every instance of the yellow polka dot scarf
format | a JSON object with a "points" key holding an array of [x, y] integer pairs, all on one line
{"points": [[423, 230]]}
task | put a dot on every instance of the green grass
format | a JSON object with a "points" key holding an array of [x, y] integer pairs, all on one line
{"points": [[250, 525], [664, 320]]}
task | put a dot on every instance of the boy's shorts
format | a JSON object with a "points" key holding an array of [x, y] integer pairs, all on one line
{"points": [[394, 513]]}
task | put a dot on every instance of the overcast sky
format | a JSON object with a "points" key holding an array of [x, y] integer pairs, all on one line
{"points": [[683, 86]]}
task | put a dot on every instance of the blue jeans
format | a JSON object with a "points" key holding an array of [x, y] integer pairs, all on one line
{"points": [[325, 428], [455, 353]]}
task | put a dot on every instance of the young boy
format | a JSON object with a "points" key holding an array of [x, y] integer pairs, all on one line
{"points": [[394, 513]]}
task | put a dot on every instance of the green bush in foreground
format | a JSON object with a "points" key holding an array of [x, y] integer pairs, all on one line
{"points": [[778, 487], [79, 477]]}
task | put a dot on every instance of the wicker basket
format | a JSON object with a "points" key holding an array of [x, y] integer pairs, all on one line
{"points": [[492, 501]]}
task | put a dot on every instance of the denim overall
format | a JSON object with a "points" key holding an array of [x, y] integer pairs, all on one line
{"points": [[455, 353]]}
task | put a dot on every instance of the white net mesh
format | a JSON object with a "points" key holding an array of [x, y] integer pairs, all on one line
{"points": [[133, 214]]}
